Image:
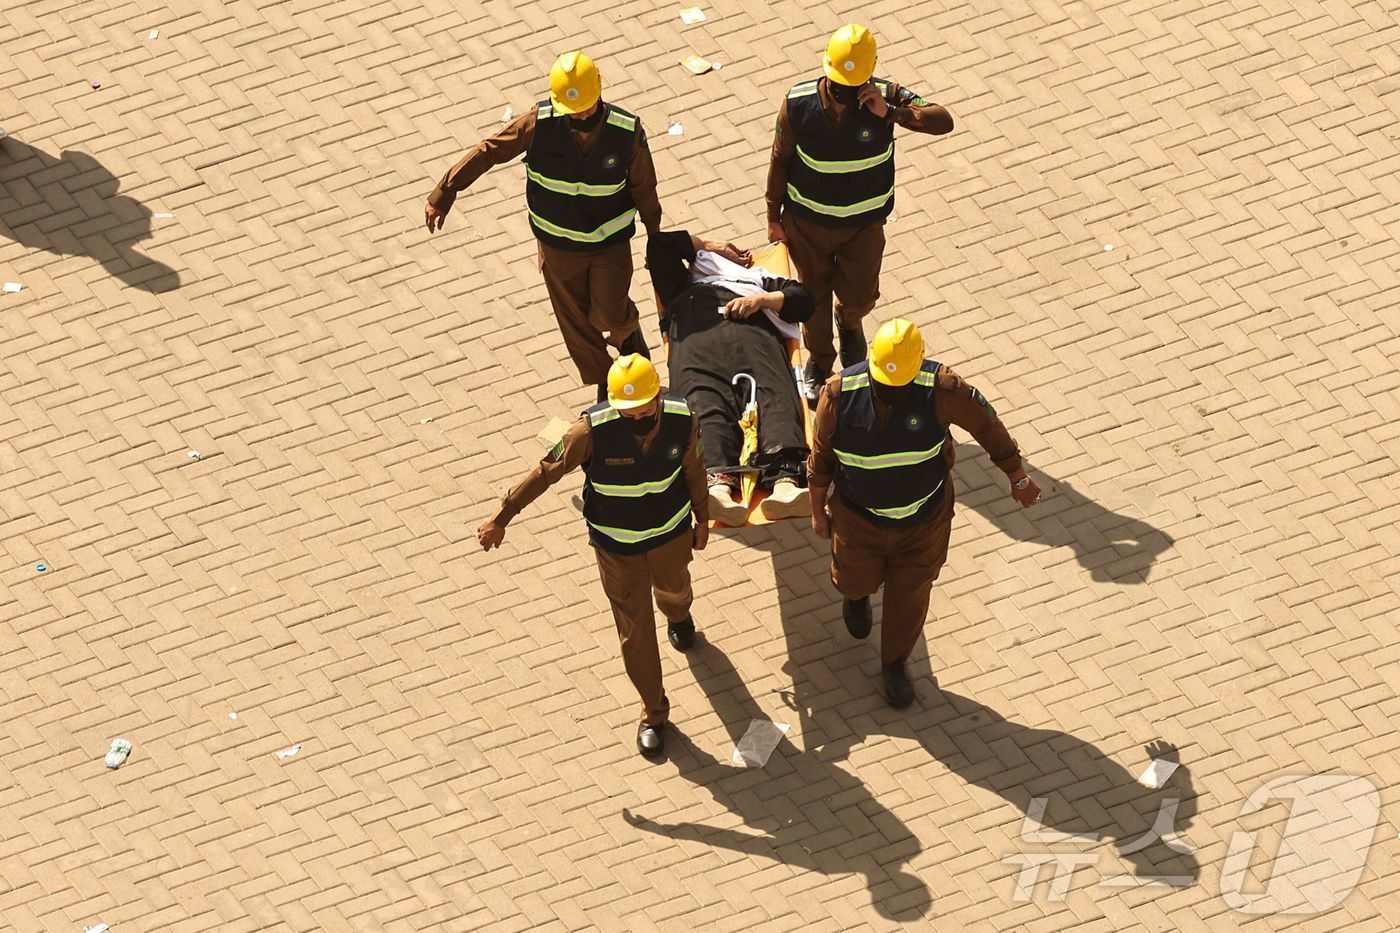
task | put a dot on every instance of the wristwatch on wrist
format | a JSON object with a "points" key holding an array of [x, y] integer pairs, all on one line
{"points": [[1021, 483]]}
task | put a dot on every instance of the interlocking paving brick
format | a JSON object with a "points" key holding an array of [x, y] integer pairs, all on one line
{"points": [[1210, 407]]}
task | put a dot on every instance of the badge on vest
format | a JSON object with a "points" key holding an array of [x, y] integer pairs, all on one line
{"points": [[619, 461], [610, 162], [914, 422], [674, 453], [865, 134]]}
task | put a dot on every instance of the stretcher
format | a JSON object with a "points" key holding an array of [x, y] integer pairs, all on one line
{"points": [[773, 259]]}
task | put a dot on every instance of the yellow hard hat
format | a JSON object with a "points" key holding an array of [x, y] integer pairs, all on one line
{"points": [[632, 382], [896, 353], [850, 55], [574, 84]]}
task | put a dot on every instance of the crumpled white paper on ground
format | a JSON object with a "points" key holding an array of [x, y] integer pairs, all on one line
{"points": [[758, 743], [1157, 773]]}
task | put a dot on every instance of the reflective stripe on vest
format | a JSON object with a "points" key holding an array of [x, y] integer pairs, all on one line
{"points": [[675, 406], [840, 210], [840, 168], [585, 236], [596, 418], [639, 490], [805, 89], [625, 121], [628, 536], [559, 186], [885, 461], [906, 511], [861, 380]]}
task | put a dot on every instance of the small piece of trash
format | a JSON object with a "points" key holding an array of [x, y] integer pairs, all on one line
{"points": [[232, 715], [716, 65], [695, 64], [507, 115], [13, 287], [1108, 247], [193, 455], [100, 928], [118, 752], [692, 15], [289, 751], [1157, 773], [95, 84], [673, 129], [41, 567], [424, 420], [154, 34], [758, 743], [162, 215], [553, 432]]}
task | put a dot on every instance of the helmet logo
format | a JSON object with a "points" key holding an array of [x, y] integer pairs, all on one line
{"points": [[571, 93], [890, 367], [628, 390], [849, 66]]}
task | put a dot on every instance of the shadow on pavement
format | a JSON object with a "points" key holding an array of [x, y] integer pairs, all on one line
{"points": [[1113, 547], [810, 812], [68, 205]]}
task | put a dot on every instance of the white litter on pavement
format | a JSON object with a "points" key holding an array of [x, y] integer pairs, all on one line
{"points": [[758, 743], [507, 115], [1157, 773], [674, 129], [289, 751], [163, 215], [100, 928], [692, 15], [1108, 247], [695, 64], [13, 287], [154, 34], [120, 749], [193, 455], [232, 715]]}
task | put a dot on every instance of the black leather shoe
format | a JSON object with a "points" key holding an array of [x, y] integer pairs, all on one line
{"points": [[635, 343], [899, 692], [853, 346], [681, 634], [812, 379], [856, 612], [649, 741]]}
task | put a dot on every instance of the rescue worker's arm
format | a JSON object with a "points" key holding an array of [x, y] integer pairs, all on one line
{"points": [[572, 451], [821, 462], [641, 182], [496, 150], [961, 404], [784, 143], [797, 302], [901, 105], [667, 255], [693, 463]]}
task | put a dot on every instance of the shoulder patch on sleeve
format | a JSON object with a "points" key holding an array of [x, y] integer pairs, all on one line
{"points": [[977, 397], [556, 452]]}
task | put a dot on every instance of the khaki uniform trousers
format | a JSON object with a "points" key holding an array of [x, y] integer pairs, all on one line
{"points": [[629, 580], [588, 291], [905, 561], [840, 260]]}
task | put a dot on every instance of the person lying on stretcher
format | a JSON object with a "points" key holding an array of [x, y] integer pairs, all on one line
{"points": [[723, 318]]}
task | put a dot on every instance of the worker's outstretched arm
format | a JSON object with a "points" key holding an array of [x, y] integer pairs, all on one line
{"points": [[641, 183], [572, 451], [496, 150], [961, 404], [783, 145], [693, 462]]}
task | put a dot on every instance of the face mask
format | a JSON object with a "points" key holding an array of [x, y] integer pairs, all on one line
{"points": [[588, 123], [842, 93], [892, 396], [641, 427]]}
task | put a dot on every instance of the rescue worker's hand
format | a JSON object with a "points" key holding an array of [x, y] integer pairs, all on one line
{"points": [[490, 534], [775, 232], [821, 523], [702, 535], [434, 218], [871, 98], [1029, 494], [740, 308]]}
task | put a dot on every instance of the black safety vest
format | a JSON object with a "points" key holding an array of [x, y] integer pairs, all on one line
{"points": [[576, 202], [893, 473], [839, 178], [635, 501]]}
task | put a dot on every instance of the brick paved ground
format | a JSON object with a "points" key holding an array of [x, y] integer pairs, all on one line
{"points": [[1212, 407]]}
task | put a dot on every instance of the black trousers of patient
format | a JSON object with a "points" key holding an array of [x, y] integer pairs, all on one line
{"points": [[707, 350]]}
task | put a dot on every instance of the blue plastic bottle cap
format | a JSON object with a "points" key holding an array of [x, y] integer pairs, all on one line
{"points": [[41, 567]]}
